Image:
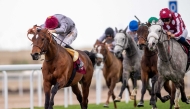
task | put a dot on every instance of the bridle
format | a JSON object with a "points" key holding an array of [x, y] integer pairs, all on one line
{"points": [[144, 38], [167, 40], [46, 45], [125, 41]]}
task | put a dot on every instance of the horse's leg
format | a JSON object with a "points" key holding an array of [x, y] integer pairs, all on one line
{"points": [[170, 91], [173, 91], [177, 95], [111, 87], [124, 85], [182, 89], [53, 92], [47, 88], [107, 101], [153, 95], [144, 79], [78, 94], [160, 83], [113, 97], [85, 91], [134, 92]]}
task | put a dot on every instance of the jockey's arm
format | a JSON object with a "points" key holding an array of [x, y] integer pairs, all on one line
{"points": [[97, 42]]}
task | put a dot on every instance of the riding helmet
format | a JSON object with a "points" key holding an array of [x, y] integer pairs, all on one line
{"points": [[109, 31], [51, 22], [133, 25], [165, 13], [151, 19]]}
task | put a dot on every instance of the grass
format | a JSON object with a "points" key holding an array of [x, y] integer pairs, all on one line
{"points": [[122, 105]]}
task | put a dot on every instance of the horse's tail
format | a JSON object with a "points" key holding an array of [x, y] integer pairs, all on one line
{"points": [[92, 56]]}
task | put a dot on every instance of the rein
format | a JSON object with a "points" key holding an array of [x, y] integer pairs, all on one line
{"points": [[168, 40]]}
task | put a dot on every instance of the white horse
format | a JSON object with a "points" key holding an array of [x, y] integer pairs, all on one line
{"points": [[172, 61], [131, 61]]}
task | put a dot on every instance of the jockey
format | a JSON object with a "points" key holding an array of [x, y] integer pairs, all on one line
{"points": [[65, 29], [175, 26], [151, 20], [133, 27], [108, 35]]}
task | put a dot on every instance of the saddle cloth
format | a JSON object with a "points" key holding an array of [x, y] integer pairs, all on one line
{"points": [[76, 61]]}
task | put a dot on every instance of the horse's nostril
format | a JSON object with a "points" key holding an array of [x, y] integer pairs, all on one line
{"points": [[36, 53], [118, 52], [153, 43]]}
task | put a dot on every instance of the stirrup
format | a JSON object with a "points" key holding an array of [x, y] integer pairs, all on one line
{"points": [[80, 65]]}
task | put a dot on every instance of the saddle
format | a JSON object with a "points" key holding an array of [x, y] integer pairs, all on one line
{"points": [[76, 61]]}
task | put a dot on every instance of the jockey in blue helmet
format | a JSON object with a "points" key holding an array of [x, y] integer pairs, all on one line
{"points": [[133, 27]]}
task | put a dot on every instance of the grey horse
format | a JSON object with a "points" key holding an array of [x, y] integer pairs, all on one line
{"points": [[131, 60], [172, 61]]}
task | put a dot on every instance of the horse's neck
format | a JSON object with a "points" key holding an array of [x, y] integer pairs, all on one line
{"points": [[148, 52], [52, 52], [109, 59], [163, 50], [132, 48]]}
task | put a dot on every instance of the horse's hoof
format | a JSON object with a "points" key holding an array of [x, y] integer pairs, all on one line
{"points": [[117, 99], [106, 106], [165, 98], [176, 107], [188, 101], [132, 97], [140, 104]]}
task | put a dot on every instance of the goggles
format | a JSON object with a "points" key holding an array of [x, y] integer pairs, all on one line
{"points": [[165, 19]]}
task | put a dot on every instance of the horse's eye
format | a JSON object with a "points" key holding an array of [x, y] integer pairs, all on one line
{"points": [[123, 39], [42, 39], [159, 30]]}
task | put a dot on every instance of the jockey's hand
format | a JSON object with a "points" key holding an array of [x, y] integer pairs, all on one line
{"points": [[110, 45], [172, 35], [169, 33], [52, 31], [109, 38]]}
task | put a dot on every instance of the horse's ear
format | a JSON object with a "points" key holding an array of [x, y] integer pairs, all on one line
{"points": [[125, 30], [116, 30]]}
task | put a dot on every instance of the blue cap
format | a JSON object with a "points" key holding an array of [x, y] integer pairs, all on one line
{"points": [[133, 25]]}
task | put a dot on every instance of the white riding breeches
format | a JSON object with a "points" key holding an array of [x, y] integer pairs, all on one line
{"points": [[67, 39], [184, 34]]}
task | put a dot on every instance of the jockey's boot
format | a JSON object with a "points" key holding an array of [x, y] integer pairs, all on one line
{"points": [[78, 62], [188, 47], [186, 42]]}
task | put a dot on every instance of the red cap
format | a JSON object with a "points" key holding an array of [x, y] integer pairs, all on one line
{"points": [[51, 22], [165, 13]]}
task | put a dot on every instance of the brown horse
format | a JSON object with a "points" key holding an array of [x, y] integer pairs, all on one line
{"points": [[149, 69], [58, 69], [112, 70]]}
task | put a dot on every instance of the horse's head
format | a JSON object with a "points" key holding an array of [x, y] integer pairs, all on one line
{"points": [[40, 40], [101, 52], [154, 35], [142, 34], [121, 42]]}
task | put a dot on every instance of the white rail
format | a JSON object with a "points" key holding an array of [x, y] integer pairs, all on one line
{"points": [[33, 67], [37, 68]]}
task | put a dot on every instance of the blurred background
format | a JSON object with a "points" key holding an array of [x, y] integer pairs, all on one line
{"points": [[91, 17]]}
